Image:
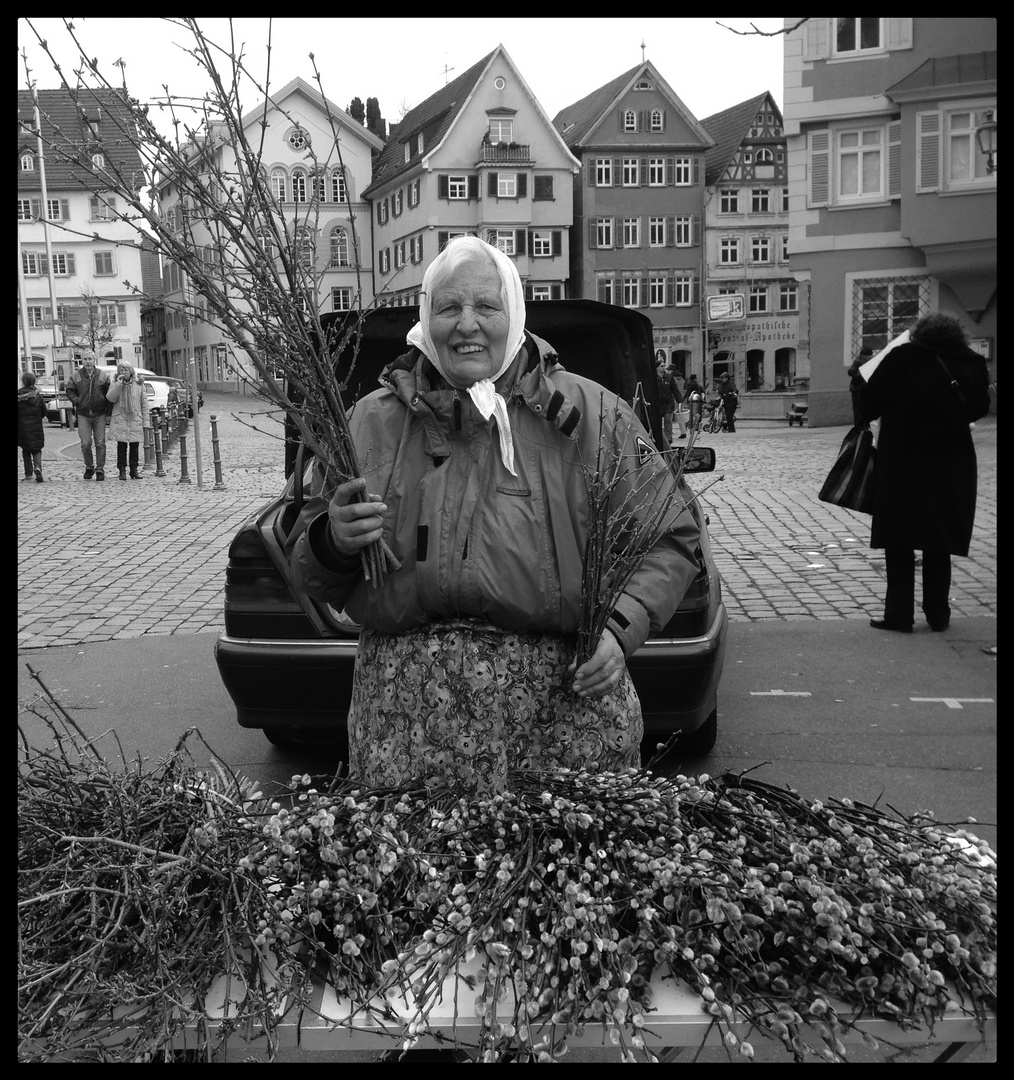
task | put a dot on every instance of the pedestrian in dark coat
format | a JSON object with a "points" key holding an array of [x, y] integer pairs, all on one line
{"points": [[926, 393], [31, 429], [730, 399]]}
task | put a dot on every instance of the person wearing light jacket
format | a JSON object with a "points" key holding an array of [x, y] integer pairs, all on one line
{"points": [[129, 418], [473, 455]]}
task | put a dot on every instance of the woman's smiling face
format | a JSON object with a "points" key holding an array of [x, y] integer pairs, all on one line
{"points": [[469, 322]]}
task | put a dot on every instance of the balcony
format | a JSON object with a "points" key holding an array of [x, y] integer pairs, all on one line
{"points": [[504, 154]]}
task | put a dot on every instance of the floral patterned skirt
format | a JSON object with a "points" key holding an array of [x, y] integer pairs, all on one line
{"points": [[461, 703]]}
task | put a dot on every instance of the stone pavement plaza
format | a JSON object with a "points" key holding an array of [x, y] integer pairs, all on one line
{"points": [[98, 562]]}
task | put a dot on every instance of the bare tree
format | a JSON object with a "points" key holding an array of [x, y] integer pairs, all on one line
{"points": [[246, 260], [87, 325]]}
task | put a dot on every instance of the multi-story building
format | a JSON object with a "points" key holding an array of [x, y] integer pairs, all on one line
{"points": [[480, 156], [91, 253], [319, 192], [746, 242], [892, 200], [638, 210]]}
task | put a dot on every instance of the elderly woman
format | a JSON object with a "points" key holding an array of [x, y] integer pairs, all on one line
{"points": [[473, 452], [129, 418], [926, 392]]}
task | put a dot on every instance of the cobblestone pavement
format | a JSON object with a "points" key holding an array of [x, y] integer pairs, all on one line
{"points": [[98, 562]]}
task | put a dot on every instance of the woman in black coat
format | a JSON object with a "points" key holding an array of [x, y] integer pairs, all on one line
{"points": [[926, 392], [31, 431]]}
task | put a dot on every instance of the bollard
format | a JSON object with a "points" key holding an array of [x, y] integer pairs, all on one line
{"points": [[149, 449], [219, 485], [165, 435], [184, 475], [159, 471]]}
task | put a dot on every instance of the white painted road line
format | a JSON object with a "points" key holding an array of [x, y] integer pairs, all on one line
{"points": [[780, 693], [955, 702]]}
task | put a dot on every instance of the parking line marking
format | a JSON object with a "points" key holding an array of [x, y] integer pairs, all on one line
{"points": [[955, 702], [780, 693]]}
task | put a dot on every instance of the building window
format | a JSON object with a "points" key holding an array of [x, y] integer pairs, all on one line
{"points": [[298, 186], [57, 209], [785, 200], [604, 233], [657, 120], [631, 292], [279, 185], [339, 192], [788, 296], [507, 185], [382, 212], [765, 156], [36, 317], [684, 230], [339, 247], [966, 164], [630, 120], [729, 202], [25, 210], [341, 299], [683, 290], [656, 172], [729, 251], [457, 187], [413, 193], [604, 172], [397, 202], [415, 249], [102, 207], [385, 260], [298, 140], [99, 161], [541, 292], [684, 171], [543, 190], [606, 290], [883, 308], [860, 162], [103, 263], [501, 129], [760, 201], [785, 247], [760, 249], [503, 240], [630, 172], [656, 232], [112, 314], [656, 291], [632, 232], [857, 35], [758, 299], [542, 244], [28, 163], [303, 246]]}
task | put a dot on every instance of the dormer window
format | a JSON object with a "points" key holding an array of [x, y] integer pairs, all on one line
{"points": [[28, 163], [644, 84], [99, 161]]}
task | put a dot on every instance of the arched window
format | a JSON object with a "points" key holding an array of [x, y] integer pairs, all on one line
{"points": [[279, 185], [657, 120], [99, 161], [339, 193], [765, 156], [28, 163], [630, 120], [339, 247], [266, 241], [298, 186], [303, 246]]}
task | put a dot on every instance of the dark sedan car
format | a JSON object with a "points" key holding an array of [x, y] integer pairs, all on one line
{"points": [[287, 660]]}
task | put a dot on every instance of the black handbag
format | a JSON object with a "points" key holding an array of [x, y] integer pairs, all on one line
{"points": [[850, 482]]}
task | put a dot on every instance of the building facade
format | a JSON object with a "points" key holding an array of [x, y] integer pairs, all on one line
{"points": [[73, 249], [319, 194], [746, 244], [892, 202], [478, 157], [638, 237]]}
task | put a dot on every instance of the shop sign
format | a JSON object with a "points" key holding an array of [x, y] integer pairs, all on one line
{"points": [[759, 331]]}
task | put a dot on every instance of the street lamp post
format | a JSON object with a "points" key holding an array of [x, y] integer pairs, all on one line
{"points": [[985, 136]]}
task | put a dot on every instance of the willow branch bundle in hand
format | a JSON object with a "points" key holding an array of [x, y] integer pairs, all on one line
{"points": [[629, 509]]}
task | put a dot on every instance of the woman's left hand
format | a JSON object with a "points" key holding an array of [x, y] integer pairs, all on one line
{"points": [[602, 673]]}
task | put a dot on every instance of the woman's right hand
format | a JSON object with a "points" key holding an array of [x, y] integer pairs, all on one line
{"points": [[355, 524]]}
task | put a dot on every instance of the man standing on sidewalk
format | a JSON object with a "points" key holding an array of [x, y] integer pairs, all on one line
{"points": [[86, 390]]}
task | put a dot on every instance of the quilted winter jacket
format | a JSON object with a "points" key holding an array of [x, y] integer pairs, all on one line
{"points": [[475, 541], [125, 425]]}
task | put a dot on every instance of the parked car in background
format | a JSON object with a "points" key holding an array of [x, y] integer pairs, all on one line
{"points": [[287, 660], [53, 395], [175, 392]]}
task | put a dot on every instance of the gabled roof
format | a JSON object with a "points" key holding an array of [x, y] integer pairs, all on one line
{"points": [[578, 122], [85, 119], [434, 116], [729, 128], [300, 86]]}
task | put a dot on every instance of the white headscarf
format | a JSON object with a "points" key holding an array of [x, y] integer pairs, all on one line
{"points": [[483, 393]]}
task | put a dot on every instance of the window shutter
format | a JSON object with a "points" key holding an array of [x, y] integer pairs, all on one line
{"points": [[64, 210], [522, 185], [519, 241], [642, 121], [670, 171], [894, 160], [927, 151], [670, 291], [531, 242], [528, 291], [899, 34], [618, 172], [697, 170], [601, 289], [817, 39], [419, 246], [618, 233], [473, 187], [818, 166], [36, 208], [620, 119], [591, 171], [695, 230], [670, 232], [557, 242], [695, 293], [70, 266], [554, 292], [441, 240], [442, 188], [643, 173], [644, 299], [592, 226], [493, 181], [663, 119]]}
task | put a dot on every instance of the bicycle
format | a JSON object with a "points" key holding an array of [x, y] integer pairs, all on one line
{"points": [[715, 420]]}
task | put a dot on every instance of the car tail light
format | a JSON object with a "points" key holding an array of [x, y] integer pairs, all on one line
{"points": [[258, 600]]}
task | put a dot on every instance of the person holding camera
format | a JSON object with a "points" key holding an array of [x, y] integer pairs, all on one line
{"points": [[129, 419]]}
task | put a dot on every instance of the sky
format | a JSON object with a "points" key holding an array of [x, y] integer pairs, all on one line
{"points": [[401, 62]]}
